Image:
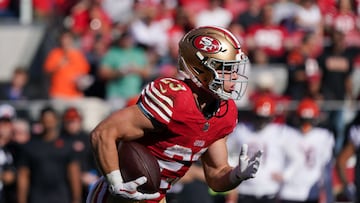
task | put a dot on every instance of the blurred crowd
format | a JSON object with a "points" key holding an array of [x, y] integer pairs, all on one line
{"points": [[108, 49]]}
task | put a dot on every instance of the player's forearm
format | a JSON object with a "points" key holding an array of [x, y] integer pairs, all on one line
{"points": [[222, 181], [105, 151], [119, 126], [246, 169]]}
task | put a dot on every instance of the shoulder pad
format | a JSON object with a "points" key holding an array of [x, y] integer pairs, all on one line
{"points": [[159, 97]]}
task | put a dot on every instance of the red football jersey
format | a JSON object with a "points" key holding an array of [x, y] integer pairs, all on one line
{"points": [[188, 133]]}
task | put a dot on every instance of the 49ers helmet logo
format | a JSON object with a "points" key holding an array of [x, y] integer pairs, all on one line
{"points": [[207, 44]]}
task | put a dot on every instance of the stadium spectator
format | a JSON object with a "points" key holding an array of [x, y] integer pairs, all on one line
{"points": [[47, 11], [284, 12], [47, 168], [7, 111], [149, 29], [87, 15], [336, 64], [21, 135], [18, 88], [79, 18], [119, 11], [215, 14], [194, 7], [124, 68], [21, 131], [327, 6], [345, 20], [94, 56], [250, 16], [72, 129], [43, 9], [268, 36], [88, 22], [303, 70], [236, 7], [308, 17], [66, 67]]}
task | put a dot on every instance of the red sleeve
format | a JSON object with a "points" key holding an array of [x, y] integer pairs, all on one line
{"points": [[158, 99]]}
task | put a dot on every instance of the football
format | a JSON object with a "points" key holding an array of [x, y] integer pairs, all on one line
{"points": [[136, 160]]}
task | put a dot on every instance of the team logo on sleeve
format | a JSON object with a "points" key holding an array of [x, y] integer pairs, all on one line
{"points": [[207, 44]]}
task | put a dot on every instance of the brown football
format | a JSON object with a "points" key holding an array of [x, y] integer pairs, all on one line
{"points": [[136, 160]]}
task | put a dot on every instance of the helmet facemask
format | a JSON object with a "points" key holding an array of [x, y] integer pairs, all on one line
{"points": [[236, 71]]}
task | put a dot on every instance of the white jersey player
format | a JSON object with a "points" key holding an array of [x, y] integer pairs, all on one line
{"points": [[315, 146], [262, 134]]}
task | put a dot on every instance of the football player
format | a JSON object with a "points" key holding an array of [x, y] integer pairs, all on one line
{"points": [[315, 144], [182, 120]]}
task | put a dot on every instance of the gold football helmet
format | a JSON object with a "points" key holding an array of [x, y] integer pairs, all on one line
{"points": [[206, 54]]}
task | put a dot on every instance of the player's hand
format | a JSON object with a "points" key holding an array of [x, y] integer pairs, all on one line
{"points": [[129, 190], [247, 167]]}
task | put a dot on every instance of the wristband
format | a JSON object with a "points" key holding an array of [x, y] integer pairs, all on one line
{"points": [[114, 177], [234, 178]]}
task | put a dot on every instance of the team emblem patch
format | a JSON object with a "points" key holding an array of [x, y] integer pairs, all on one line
{"points": [[199, 143], [207, 44]]}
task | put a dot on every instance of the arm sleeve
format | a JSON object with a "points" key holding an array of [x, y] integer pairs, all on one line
{"points": [[158, 98]]}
